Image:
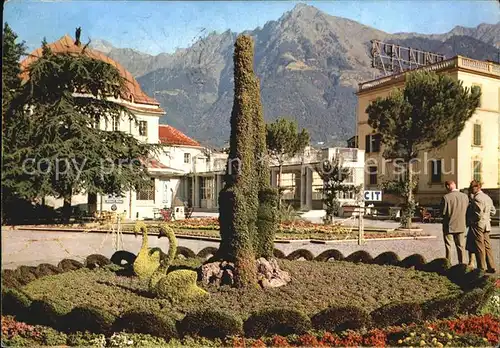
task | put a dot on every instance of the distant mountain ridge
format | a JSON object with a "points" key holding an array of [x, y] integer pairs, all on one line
{"points": [[309, 64]]}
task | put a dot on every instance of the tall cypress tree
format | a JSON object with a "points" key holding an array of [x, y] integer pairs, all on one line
{"points": [[244, 226]]}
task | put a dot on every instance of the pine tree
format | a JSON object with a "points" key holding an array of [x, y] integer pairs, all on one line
{"points": [[61, 105], [284, 142], [430, 111]]}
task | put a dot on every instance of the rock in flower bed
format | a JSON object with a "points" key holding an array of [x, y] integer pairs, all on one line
{"points": [[476, 331]]}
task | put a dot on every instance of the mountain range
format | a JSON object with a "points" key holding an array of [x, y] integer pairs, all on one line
{"points": [[309, 64]]}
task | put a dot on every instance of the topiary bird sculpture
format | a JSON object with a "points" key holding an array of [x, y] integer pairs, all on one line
{"points": [[148, 259]]}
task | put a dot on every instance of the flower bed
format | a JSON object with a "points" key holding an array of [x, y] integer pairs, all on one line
{"points": [[105, 299], [478, 331]]}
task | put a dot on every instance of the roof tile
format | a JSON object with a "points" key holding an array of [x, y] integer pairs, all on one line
{"points": [[170, 136]]}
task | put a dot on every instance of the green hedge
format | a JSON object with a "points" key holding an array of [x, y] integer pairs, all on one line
{"points": [[210, 324], [359, 256], [15, 302], [327, 255], [442, 307], [46, 269], [297, 254], [45, 312], [146, 322], [88, 318], [387, 258], [279, 254], [70, 265], [123, 258], [10, 279], [277, 321], [96, 260], [439, 266], [416, 260], [186, 252], [394, 314], [341, 318], [206, 252]]}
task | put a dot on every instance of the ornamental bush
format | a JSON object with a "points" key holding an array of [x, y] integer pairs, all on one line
{"points": [[89, 318], [9, 279], [48, 313], [26, 274], [439, 266], [442, 307], [186, 252], [206, 252], [387, 258], [297, 254], [279, 321], [327, 255], [396, 314], [279, 254], [360, 256], [15, 302], [46, 269], [341, 318], [146, 322], [70, 265], [211, 324], [95, 260], [123, 258], [416, 260]]}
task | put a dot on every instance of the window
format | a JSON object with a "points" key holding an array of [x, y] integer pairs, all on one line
{"points": [[480, 88], [288, 183], [348, 176], [372, 142], [476, 141], [436, 171], [116, 123], [143, 128], [372, 172], [206, 188], [476, 170], [187, 158], [147, 193]]}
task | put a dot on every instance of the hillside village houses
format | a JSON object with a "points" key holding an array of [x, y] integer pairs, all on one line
{"points": [[186, 173], [475, 154]]}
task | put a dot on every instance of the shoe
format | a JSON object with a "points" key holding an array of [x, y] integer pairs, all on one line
{"points": [[491, 270]]}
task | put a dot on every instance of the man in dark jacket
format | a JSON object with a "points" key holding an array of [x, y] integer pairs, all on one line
{"points": [[454, 209]]}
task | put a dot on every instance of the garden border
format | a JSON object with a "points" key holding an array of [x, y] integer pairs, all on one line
{"points": [[476, 289]]}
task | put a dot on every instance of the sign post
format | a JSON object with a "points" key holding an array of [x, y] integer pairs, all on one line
{"points": [[368, 196]]}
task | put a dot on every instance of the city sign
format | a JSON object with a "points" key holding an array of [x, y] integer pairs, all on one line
{"points": [[373, 196]]}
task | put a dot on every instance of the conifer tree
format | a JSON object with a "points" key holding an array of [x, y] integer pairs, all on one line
{"points": [[246, 229], [62, 104], [425, 115]]}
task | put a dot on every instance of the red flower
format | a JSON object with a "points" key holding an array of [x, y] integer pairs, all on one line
{"points": [[279, 341], [485, 326]]}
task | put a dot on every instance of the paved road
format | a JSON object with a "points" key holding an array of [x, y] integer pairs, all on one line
{"points": [[35, 247]]}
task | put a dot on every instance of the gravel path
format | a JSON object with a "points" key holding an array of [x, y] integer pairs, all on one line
{"points": [[35, 247]]}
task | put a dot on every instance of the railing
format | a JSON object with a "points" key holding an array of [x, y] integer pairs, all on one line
{"points": [[471, 64]]}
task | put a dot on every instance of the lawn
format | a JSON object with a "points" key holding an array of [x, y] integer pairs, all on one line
{"points": [[315, 286]]}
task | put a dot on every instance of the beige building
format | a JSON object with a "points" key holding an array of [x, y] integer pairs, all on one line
{"points": [[475, 154]]}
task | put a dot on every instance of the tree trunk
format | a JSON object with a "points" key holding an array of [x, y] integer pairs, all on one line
{"points": [[66, 210], [280, 173], [409, 195]]}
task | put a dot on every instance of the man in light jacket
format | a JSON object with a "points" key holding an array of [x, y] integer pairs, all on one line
{"points": [[482, 209], [454, 209]]}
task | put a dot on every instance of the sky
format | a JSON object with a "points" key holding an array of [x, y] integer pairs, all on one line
{"points": [[162, 26]]}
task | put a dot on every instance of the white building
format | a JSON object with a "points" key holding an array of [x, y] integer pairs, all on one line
{"points": [[185, 172]]}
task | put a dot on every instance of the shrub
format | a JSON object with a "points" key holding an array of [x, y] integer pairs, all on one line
{"points": [[46, 269], [26, 274], [471, 301], [15, 302], [457, 273], [276, 321], [51, 337], [70, 265], [474, 279], [297, 254], [88, 318], [210, 324], [206, 252], [186, 252], [360, 256], [121, 256], [330, 254], [146, 322], [388, 258], [46, 312], [341, 319], [439, 266], [95, 260], [416, 260], [9, 279], [396, 314], [279, 254], [442, 307], [83, 339], [180, 286]]}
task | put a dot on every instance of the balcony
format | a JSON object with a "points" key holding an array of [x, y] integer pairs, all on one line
{"points": [[456, 62]]}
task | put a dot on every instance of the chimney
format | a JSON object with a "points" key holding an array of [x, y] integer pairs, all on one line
{"points": [[77, 35]]}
